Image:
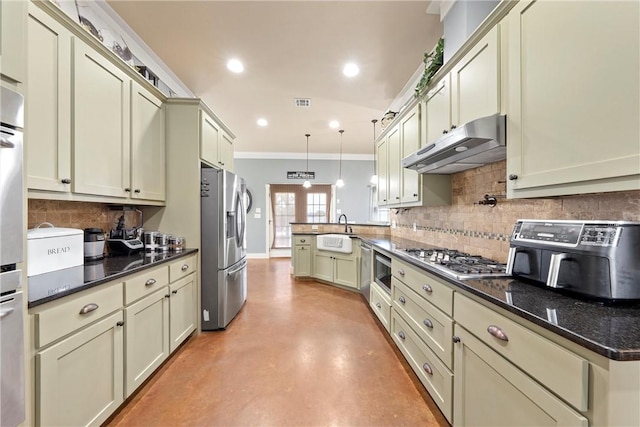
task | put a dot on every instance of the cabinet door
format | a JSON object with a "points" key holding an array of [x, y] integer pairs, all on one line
{"points": [[323, 266], [574, 110], [490, 391], [383, 173], [410, 143], [346, 271], [101, 125], [48, 103], [209, 132], [395, 174], [226, 152], [438, 111], [79, 380], [146, 338], [475, 81], [148, 178], [13, 33], [182, 310], [302, 261]]}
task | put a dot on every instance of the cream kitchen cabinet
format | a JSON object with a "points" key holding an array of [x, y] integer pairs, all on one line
{"points": [[574, 111], [147, 145], [475, 81], [48, 94], [182, 310], [302, 250], [410, 143], [216, 145], [437, 113], [13, 33], [338, 268], [382, 171], [226, 151], [380, 303]]}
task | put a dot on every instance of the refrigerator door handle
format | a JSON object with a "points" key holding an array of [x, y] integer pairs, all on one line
{"points": [[240, 267]]}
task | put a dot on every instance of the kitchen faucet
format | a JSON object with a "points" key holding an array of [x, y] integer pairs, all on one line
{"points": [[345, 221]]}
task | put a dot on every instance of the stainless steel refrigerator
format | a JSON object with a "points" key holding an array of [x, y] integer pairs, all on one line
{"points": [[12, 409], [223, 247]]}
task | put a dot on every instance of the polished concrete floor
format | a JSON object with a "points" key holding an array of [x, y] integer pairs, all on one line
{"points": [[298, 354]]}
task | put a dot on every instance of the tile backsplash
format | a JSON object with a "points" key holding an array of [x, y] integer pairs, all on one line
{"points": [[480, 229], [77, 214]]}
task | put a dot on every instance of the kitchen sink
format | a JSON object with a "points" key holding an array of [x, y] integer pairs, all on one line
{"points": [[334, 243]]}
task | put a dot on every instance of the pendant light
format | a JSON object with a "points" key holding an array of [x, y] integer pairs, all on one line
{"points": [[307, 183], [374, 177], [340, 182]]}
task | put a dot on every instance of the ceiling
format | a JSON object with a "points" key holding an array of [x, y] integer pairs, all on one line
{"points": [[290, 49]]}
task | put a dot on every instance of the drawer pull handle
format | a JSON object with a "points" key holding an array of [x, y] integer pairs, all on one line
{"points": [[427, 369], [428, 323], [401, 335], [456, 339], [185, 267], [497, 332], [402, 300], [427, 288], [378, 305], [88, 308], [303, 240], [150, 282], [65, 180], [401, 272], [174, 292], [120, 323]]}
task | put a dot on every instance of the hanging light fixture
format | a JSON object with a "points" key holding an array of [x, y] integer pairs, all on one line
{"points": [[307, 183], [374, 177], [340, 182]]}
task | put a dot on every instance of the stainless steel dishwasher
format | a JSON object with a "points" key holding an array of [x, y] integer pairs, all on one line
{"points": [[365, 269]]}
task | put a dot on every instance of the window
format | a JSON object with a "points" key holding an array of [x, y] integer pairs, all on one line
{"points": [[317, 207], [284, 215]]}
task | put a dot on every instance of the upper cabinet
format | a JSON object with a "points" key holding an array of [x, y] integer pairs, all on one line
{"points": [[437, 111], [216, 145], [13, 32], [574, 111]]}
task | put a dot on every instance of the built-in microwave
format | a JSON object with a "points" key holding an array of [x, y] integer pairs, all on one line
{"points": [[382, 271]]}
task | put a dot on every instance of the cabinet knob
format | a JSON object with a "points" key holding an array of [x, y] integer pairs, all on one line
{"points": [[397, 197], [445, 131], [150, 282], [89, 308], [401, 335], [378, 305], [456, 339], [167, 296], [174, 292], [384, 200], [513, 177], [427, 369], [453, 127], [137, 190], [427, 288], [120, 323], [402, 300], [415, 194], [497, 332], [428, 323], [128, 190], [401, 272], [66, 181], [184, 267]]}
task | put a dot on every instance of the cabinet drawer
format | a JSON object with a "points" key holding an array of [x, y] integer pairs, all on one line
{"points": [[145, 283], [567, 376], [436, 378], [433, 326], [302, 240], [380, 304], [182, 267], [61, 317], [432, 289]]}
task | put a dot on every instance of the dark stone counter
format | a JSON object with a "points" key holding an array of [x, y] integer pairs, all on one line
{"points": [[58, 284]]}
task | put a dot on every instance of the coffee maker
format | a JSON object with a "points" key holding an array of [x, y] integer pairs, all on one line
{"points": [[595, 260]]}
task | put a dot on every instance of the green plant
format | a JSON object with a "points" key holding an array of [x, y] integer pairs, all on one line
{"points": [[432, 62]]}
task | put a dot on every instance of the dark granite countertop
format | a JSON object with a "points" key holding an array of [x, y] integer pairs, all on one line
{"points": [[58, 284], [612, 331], [335, 223]]}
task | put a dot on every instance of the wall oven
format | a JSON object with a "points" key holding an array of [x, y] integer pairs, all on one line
{"points": [[382, 271]]}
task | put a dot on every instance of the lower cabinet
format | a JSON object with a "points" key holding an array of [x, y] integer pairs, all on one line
{"points": [[182, 312], [79, 380], [302, 255], [380, 302], [341, 269], [491, 391]]}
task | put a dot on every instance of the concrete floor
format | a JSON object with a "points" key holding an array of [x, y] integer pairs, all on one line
{"points": [[298, 354]]}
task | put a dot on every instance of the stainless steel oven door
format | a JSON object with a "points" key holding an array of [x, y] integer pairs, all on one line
{"points": [[12, 360]]}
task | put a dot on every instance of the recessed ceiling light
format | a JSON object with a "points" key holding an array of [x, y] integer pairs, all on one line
{"points": [[334, 124], [262, 122], [350, 70], [235, 66]]}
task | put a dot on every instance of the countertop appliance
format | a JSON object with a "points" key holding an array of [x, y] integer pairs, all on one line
{"points": [[12, 391], [593, 259], [124, 241], [456, 264], [382, 271], [223, 247], [471, 145], [365, 270], [93, 243]]}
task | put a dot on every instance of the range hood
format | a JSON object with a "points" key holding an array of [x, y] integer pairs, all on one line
{"points": [[474, 144]]}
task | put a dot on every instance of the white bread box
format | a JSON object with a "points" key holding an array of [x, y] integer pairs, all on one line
{"points": [[53, 248]]}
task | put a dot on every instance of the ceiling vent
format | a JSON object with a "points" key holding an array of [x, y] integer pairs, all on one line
{"points": [[302, 102]]}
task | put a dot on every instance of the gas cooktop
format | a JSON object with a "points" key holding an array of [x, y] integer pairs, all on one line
{"points": [[456, 264]]}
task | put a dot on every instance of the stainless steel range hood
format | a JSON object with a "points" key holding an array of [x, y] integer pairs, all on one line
{"points": [[474, 144]]}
